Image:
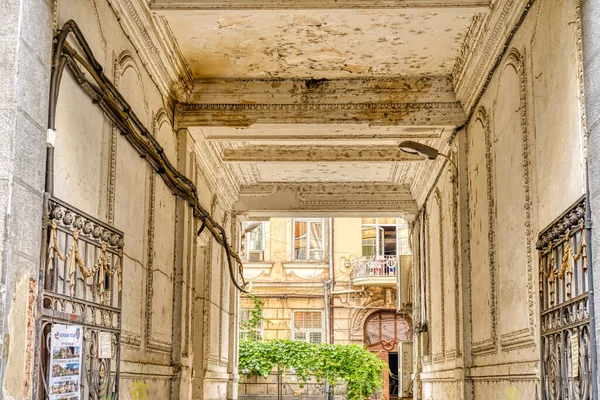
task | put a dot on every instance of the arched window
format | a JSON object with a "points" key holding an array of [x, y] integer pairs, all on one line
{"points": [[387, 326]]}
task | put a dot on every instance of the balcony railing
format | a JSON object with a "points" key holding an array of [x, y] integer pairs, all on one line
{"points": [[376, 267]]}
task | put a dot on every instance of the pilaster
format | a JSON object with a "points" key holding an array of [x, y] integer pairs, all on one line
{"points": [[590, 12], [25, 53]]}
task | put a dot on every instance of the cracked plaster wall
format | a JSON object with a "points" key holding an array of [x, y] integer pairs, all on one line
{"points": [[176, 299], [522, 166]]}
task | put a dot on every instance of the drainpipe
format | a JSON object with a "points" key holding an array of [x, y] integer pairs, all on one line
{"points": [[590, 258], [326, 299]]}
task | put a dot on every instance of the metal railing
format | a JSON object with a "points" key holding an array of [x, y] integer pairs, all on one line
{"points": [[374, 266], [83, 280]]}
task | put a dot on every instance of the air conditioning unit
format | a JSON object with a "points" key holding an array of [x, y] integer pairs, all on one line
{"points": [[256, 255]]}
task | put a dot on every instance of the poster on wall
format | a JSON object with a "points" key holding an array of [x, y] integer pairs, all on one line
{"points": [[66, 344]]}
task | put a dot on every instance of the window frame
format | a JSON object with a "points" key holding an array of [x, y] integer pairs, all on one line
{"points": [[307, 331], [308, 221], [379, 316], [260, 330], [265, 245], [401, 224]]}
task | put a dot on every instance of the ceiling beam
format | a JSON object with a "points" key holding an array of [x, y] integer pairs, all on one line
{"points": [[382, 114], [326, 199], [404, 101], [187, 5], [405, 89], [320, 134], [354, 154]]}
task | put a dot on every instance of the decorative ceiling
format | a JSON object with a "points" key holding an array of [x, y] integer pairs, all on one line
{"points": [[326, 44], [310, 92]]}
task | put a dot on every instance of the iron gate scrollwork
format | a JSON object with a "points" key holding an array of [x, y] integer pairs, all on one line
{"points": [[565, 308], [83, 278]]}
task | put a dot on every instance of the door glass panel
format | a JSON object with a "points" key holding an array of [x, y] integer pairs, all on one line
{"points": [[372, 334], [403, 331], [388, 327]]}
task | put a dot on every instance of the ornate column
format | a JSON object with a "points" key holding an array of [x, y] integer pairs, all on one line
{"points": [[464, 269]]}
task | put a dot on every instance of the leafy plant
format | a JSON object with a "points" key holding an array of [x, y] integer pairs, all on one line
{"points": [[360, 370], [255, 318]]}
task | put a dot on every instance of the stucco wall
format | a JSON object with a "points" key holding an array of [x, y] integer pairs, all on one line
{"points": [[522, 169], [177, 299]]}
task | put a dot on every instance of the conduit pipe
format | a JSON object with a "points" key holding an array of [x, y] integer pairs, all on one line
{"points": [[102, 92], [326, 304]]}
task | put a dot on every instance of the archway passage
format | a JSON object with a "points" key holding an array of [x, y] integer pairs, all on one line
{"points": [[390, 335]]}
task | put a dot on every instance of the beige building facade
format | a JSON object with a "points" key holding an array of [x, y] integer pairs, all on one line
{"points": [[140, 138], [333, 280]]}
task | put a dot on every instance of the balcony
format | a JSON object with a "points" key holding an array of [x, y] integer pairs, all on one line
{"points": [[379, 271]]}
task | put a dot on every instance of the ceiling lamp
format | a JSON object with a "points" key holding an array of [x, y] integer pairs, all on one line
{"points": [[428, 152]]}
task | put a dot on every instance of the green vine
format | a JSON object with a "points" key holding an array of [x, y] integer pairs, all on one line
{"points": [[255, 318], [359, 369]]}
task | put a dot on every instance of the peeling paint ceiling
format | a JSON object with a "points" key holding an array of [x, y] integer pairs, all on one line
{"points": [[268, 58], [326, 44]]}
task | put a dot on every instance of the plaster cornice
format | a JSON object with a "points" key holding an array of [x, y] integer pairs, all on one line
{"points": [[219, 175], [189, 5], [386, 114], [300, 153], [156, 47], [483, 46]]}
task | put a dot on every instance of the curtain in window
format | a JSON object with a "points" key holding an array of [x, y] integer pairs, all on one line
{"points": [[300, 240], [316, 241]]}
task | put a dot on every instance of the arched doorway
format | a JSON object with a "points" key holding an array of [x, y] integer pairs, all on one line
{"points": [[390, 336]]}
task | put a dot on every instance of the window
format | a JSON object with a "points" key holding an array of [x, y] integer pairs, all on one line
{"points": [[307, 326], [253, 241], [387, 327], [245, 332], [384, 237], [308, 239]]}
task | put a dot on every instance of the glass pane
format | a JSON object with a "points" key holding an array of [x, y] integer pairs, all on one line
{"points": [[369, 241], [300, 240], [316, 255], [372, 331], [387, 221], [255, 238], [307, 320], [316, 235], [389, 240], [387, 327], [403, 246], [315, 337], [371, 221], [404, 332]]}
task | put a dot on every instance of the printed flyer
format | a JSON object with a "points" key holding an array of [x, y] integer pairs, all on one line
{"points": [[65, 365]]}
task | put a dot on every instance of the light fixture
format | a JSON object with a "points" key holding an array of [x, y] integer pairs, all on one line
{"points": [[428, 152], [420, 149]]}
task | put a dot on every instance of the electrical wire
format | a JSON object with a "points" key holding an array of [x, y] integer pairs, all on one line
{"points": [[109, 99]]}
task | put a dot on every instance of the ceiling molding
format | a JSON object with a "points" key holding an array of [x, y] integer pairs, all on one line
{"points": [[406, 89], [156, 46], [384, 114], [323, 134], [315, 199], [482, 50], [319, 188], [220, 176], [186, 5], [275, 154]]}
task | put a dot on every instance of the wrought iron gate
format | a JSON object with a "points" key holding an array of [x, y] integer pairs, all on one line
{"points": [[567, 372], [82, 282]]}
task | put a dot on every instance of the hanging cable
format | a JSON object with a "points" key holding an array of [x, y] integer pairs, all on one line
{"points": [[102, 92]]}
